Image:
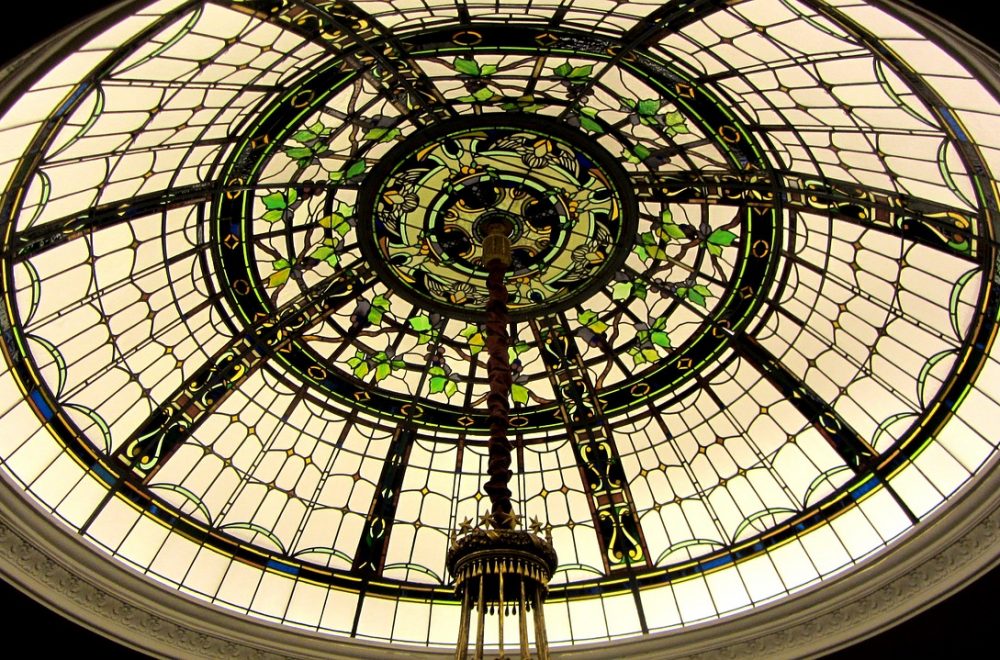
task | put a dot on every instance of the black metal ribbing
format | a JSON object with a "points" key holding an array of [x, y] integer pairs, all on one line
{"points": [[498, 370]]}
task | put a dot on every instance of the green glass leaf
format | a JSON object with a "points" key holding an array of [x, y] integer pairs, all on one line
{"points": [[420, 323], [382, 134], [648, 247], [484, 94], [637, 154], [628, 103], [672, 232], [299, 152], [437, 384], [580, 72], [650, 354], [278, 278], [381, 302], [660, 338], [273, 216], [356, 169], [639, 290], [696, 298], [648, 107], [722, 237], [563, 69], [275, 201], [675, 122], [382, 371], [637, 357], [591, 125], [397, 364], [468, 331], [467, 66], [336, 222], [318, 128], [703, 290], [476, 344], [375, 316], [304, 136], [279, 264], [322, 252], [519, 393], [600, 327], [450, 389], [488, 69], [621, 291], [333, 259], [714, 249]]}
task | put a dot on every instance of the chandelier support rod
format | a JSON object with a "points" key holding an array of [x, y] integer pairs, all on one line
{"points": [[462, 650], [522, 617], [541, 638], [481, 616], [497, 255]]}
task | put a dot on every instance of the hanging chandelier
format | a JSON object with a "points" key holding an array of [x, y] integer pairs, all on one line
{"points": [[498, 569]]}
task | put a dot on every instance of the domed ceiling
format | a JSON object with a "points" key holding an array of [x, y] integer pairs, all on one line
{"points": [[753, 296]]}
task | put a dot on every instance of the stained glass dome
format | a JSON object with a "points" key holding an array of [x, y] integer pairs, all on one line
{"points": [[753, 300]]}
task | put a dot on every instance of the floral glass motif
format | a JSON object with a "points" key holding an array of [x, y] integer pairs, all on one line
{"points": [[431, 215]]}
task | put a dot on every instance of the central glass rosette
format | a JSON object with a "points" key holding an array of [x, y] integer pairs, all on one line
{"points": [[426, 213]]}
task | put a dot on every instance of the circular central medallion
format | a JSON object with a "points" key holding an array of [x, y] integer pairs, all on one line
{"points": [[426, 209]]}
